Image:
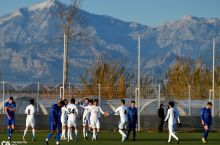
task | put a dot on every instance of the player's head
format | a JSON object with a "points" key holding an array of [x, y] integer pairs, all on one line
{"points": [[11, 99], [132, 103], [209, 105], [122, 102], [161, 106], [90, 102], [73, 101], [31, 101], [171, 104], [95, 102], [86, 100], [61, 104], [65, 101]]}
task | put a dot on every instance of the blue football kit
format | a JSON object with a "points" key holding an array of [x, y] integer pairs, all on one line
{"points": [[10, 118], [206, 117]]}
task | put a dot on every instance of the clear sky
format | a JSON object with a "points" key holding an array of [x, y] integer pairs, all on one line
{"points": [[151, 12]]}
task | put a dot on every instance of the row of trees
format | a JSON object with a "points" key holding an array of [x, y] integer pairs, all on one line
{"points": [[184, 73], [115, 79]]}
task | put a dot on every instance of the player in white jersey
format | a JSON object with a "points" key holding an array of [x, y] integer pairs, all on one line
{"points": [[96, 112], [86, 117], [30, 121], [64, 119], [72, 119], [122, 110], [172, 117]]}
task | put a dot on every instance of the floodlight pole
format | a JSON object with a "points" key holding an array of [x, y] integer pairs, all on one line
{"points": [[219, 103], [3, 97], [139, 80], [213, 78], [189, 87], [159, 96], [69, 90], [64, 64], [38, 89]]}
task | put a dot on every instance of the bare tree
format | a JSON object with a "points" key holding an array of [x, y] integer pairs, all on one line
{"points": [[68, 22], [110, 74]]}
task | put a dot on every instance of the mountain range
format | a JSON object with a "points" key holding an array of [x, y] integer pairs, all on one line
{"points": [[31, 43]]}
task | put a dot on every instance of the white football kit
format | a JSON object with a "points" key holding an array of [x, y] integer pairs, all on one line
{"points": [[64, 115], [30, 121], [122, 110], [96, 112], [172, 117], [86, 115], [72, 115]]}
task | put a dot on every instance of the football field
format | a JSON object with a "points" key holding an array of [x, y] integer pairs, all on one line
{"points": [[113, 138]]}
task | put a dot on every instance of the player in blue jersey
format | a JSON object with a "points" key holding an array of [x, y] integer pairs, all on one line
{"points": [[55, 121], [132, 119], [10, 108], [206, 119]]}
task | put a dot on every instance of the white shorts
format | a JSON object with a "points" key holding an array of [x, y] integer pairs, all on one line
{"points": [[86, 121], [171, 127], [122, 124], [95, 123], [72, 123], [30, 122], [64, 121]]}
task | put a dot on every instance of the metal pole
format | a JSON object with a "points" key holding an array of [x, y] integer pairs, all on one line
{"points": [[219, 102], [189, 100], [64, 64], [61, 89], [159, 97], [3, 97], [69, 89], [213, 78], [99, 87], [38, 90], [210, 95], [139, 80]]}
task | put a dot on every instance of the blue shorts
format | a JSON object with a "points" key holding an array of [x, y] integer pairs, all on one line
{"points": [[54, 127], [132, 125], [207, 124], [10, 122]]}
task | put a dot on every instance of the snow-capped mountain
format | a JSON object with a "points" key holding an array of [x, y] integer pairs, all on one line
{"points": [[31, 43]]}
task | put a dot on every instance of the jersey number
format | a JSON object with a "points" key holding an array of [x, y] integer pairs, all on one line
{"points": [[71, 111]]}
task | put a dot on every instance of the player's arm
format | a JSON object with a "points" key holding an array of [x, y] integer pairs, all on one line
{"points": [[80, 102], [178, 119], [102, 112], [202, 116], [6, 111], [113, 112], [26, 110], [168, 115], [136, 115], [77, 111], [53, 116], [84, 107]]}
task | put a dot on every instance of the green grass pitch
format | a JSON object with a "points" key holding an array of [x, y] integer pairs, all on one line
{"points": [[113, 138]]}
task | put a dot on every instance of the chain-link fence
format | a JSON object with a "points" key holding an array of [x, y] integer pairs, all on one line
{"points": [[187, 99]]}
